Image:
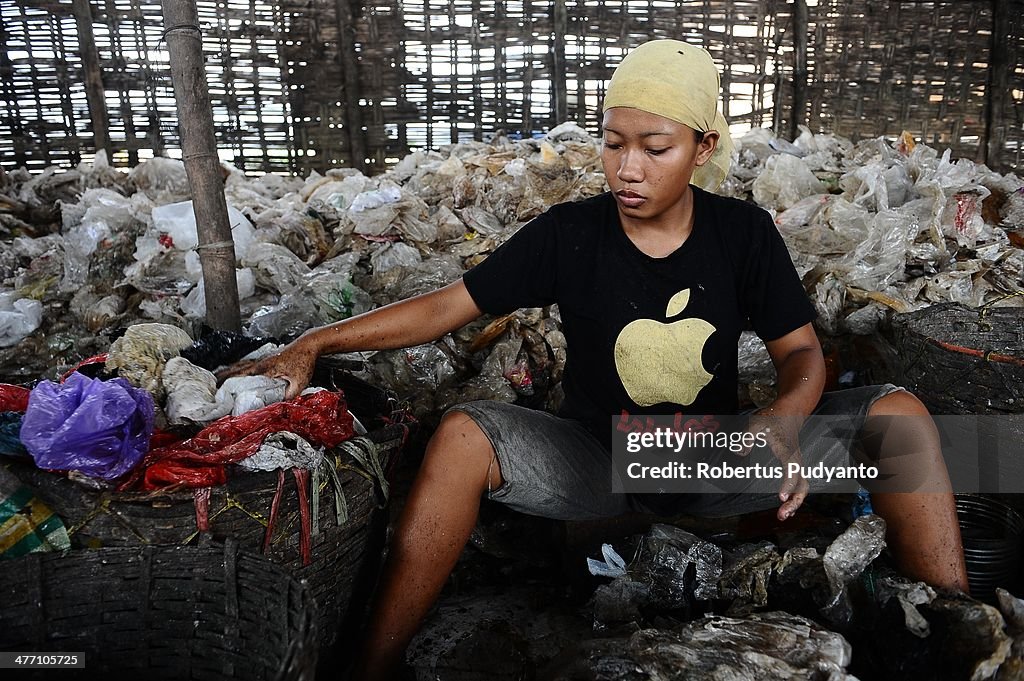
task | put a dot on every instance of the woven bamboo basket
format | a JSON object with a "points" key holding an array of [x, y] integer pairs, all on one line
{"points": [[175, 613], [240, 510], [961, 360]]}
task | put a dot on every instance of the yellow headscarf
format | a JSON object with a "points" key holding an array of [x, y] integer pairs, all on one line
{"points": [[679, 81]]}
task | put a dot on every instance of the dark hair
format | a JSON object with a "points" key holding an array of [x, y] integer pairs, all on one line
{"points": [[698, 135]]}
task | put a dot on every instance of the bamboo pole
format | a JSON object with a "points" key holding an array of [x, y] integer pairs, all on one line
{"points": [[202, 165]]}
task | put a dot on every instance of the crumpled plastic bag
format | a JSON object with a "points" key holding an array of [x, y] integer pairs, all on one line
{"points": [[191, 393], [877, 186], [100, 428], [658, 578], [276, 268], [19, 317], [395, 254], [193, 396], [178, 221], [100, 217], [785, 180], [325, 296], [246, 393], [140, 354], [163, 179], [284, 450]]}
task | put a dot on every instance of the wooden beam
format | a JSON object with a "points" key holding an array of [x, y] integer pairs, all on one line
{"points": [[202, 164], [998, 91], [94, 90], [558, 75], [800, 24], [350, 72]]}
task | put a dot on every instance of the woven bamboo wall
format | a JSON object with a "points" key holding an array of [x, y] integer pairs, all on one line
{"points": [[878, 68], [306, 85]]}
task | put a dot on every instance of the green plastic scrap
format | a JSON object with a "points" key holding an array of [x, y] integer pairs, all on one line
{"points": [[27, 525], [367, 454]]}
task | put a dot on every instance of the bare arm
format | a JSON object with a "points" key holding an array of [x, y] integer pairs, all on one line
{"points": [[414, 321], [801, 378], [409, 322], [801, 371]]}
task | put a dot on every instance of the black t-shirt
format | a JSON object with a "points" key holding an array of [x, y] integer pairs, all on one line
{"points": [[648, 335]]}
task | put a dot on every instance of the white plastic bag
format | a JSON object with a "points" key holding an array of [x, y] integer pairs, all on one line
{"points": [[178, 221]]}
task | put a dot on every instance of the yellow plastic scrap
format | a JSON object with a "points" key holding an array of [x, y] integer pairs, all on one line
{"points": [[906, 143], [879, 297], [548, 154]]}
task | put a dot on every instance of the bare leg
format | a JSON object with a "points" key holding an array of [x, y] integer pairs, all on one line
{"points": [[434, 526], [923, 531]]}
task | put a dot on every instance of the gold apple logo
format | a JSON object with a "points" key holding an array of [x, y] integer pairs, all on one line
{"points": [[661, 362]]}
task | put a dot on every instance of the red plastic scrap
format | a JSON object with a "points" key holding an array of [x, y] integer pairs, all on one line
{"points": [[201, 500], [95, 359], [322, 418], [302, 484], [275, 506], [13, 398]]}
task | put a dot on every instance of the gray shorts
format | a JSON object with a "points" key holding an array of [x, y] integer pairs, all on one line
{"points": [[555, 468]]}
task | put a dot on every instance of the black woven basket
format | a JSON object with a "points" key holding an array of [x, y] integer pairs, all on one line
{"points": [[240, 510], [992, 533], [175, 613], [961, 360]]}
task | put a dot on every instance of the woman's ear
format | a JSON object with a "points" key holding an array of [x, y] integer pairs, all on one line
{"points": [[707, 147]]}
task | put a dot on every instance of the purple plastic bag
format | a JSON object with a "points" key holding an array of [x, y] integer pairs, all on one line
{"points": [[101, 428]]}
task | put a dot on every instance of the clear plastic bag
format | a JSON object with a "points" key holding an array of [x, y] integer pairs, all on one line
{"points": [[19, 317], [106, 214], [275, 267], [163, 179], [784, 181], [391, 255]]}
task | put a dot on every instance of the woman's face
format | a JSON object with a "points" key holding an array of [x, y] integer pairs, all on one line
{"points": [[649, 160]]}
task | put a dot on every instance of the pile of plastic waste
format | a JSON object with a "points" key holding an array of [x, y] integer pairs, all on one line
{"points": [[143, 416], [707, 610], [873, 228]]}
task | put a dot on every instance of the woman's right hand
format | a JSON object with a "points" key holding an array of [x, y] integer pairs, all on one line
{"points": [[293, 363]]}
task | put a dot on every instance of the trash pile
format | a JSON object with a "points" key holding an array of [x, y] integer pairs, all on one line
{"points": [[754, 611], [821, 602], [147, 416], [143, 416], [875, 228], [872, 228]]}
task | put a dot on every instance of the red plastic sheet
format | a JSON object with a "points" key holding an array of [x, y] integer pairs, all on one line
{"points": [[13, 398], [95, 359], [322, 418]]}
